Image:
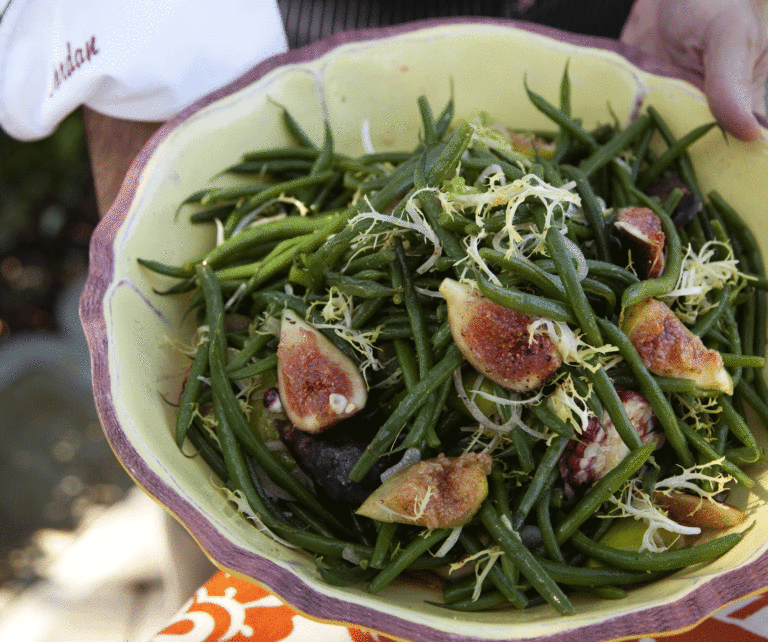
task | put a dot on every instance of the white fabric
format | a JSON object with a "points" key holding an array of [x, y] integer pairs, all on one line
{"points": [[132, 59]]}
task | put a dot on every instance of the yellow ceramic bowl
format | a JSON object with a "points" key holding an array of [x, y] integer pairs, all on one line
{"points": [[378, 76]]}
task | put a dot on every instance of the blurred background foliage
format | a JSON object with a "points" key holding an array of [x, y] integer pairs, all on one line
{"points": [[55, 462], [47, 214]]}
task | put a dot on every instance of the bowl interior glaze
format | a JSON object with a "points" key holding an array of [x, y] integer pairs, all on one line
{"points": [[376, 76]]}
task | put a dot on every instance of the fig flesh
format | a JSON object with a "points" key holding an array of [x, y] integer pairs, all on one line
{"points": [[642, 229], [444, 492], [319, 385], [668, 348], [496, 340], [694, 510]]}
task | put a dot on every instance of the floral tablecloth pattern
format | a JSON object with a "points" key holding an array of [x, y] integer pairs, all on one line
{"points": [[228, 609]]}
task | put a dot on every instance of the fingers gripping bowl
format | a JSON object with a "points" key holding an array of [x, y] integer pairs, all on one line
{"points": [[132, 331]]}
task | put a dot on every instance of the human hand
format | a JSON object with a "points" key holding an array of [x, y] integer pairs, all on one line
{"points": [[723, 42]]}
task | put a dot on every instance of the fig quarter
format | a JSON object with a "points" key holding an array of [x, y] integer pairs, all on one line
{"points": [[318, 384]]}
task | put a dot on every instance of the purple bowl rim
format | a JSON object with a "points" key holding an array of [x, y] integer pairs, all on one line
{"points": [[697, 605]]}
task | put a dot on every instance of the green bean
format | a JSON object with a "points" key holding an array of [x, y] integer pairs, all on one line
{"points": [[540, 480], [528, 303], [651, 391], [427, 121], [383, 540], [190, 393], [544, 520], [365, 311], [661, 561], [621, 139], [369, 275], [249, 351], [593, 211], [418, 432], [210, 454], [413, 306], [612, 404], [742, 360], [585, 576], [405, 410], [286, 228], [296, 131], [551, 420], [642, 150], [358, 287], [220, 212], [485, 602], [685, 167], [273, 191], [526, 563], [711, 318], [506, 585], [270, 167], [738, 426], [571, 282], [601, 491], [498, 491], [668, 157], [179, 272], [446, 116], [527, 269], [406, 557], [253, 369], [703, 446], [563, 120], [373, 261]]}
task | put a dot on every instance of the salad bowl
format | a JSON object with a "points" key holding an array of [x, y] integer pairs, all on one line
{"points": [[369, 82]]}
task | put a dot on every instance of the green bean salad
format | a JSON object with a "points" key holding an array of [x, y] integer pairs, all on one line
{"points": [[521, 360]]}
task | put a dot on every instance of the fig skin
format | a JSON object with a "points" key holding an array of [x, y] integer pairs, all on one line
{"points": [[444, 492], [668, 348], [693, 510], [642, 229], [328, 458], [319, 385], [600, 448], [496, 341]]}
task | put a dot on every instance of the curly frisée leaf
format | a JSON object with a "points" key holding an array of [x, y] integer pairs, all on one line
{"points": [[700, 275], [416, 222], [572, 348], [569, 405], [244, 509], [337, 313]]}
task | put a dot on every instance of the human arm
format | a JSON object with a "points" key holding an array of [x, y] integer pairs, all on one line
{"points": [[723, 42]]}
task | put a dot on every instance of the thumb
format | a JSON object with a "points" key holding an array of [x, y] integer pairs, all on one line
{"points": [[729, 63]]}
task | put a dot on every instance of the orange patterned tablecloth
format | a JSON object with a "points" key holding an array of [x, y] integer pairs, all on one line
{"points": [[228, 609]]}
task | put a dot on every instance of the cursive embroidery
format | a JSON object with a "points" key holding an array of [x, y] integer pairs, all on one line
{"points": [[73, 61]]}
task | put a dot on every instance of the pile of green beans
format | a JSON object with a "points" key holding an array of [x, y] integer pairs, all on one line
{"points": [[294, 237]]}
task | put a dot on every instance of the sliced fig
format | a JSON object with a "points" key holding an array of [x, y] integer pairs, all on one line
{"points": [[438, 493], [328, 458], [688, 206], [694, 510], [319, 385], [670, 349], [600, 448], [529, 144], [496, 340], [642, 229]]}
